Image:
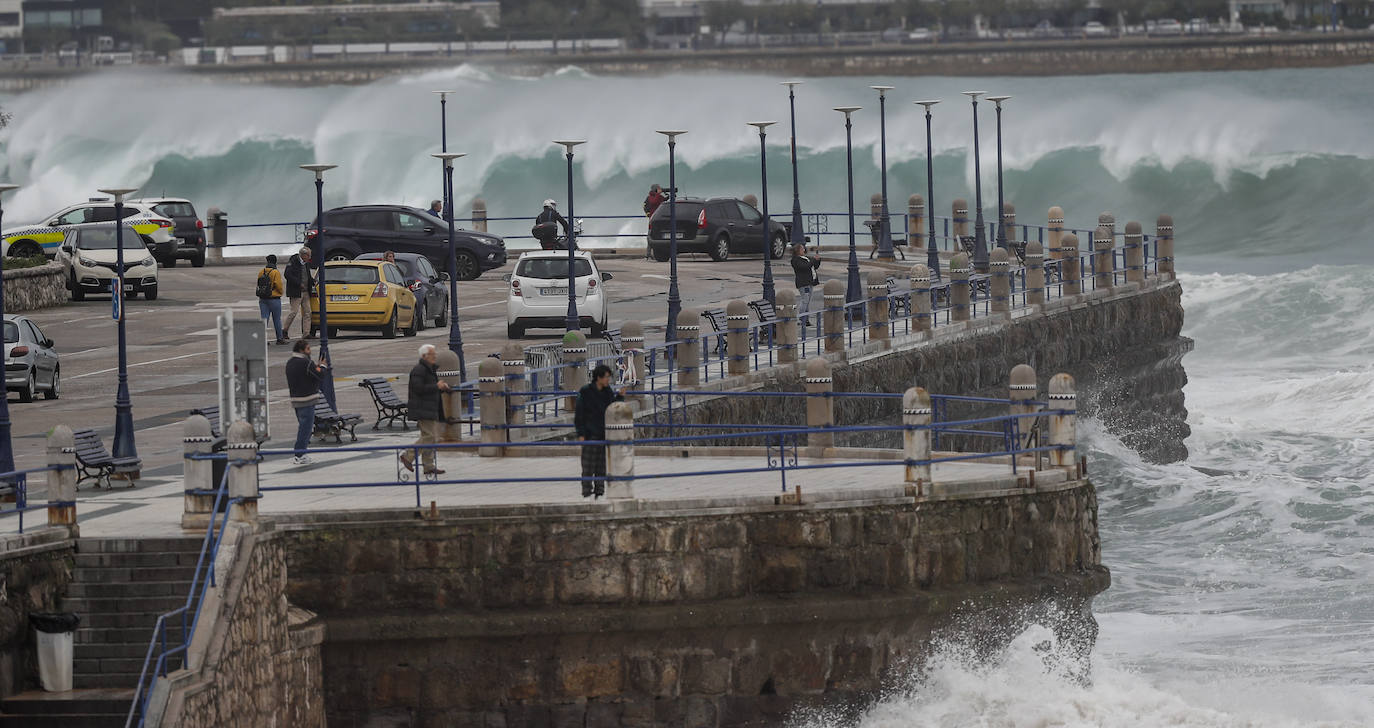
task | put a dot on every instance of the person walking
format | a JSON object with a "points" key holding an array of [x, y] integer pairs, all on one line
{"points": [[590, 422], [303, 380], [423, 403], [804, 271], [300, 285], [270, 289]]}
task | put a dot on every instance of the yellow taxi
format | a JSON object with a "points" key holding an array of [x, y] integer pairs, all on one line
{"points": [[370, 295]]}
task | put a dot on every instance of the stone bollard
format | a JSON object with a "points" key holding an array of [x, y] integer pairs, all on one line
{"points": [[751, 199], [1008, 223], [1000, 267], [920, 296], [958, 287], [574, 367], [242, 451], [1070, 267], [960, 212], [785, 303], [1134, 244], [620, 459], [1054, 231], [632, 339], [688, 361], [737, 338], [492, 407], [513, 368], [1164, 239], [1023, 392], [479, 214], [916, 224], [62, 480], [452, 400], [916, 412], [1035, 273], [833, 320], [878, 308], [197, 475], [820, 406], [1063, 427], [1103, 242]]}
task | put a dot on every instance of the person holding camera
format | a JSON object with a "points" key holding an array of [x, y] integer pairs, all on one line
{"points": [[804, 271], [303, 378]]}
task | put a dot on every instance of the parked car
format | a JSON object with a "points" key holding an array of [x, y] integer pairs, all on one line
{"points": [[46, 238], [1168, 26], [31, 362], [1094, 29], [430, 287], [538, 292], [920, 35], [188, 229], [357, 229], [1044, 29], [1197, 26], [369, 295], [719, 226], [93, 263]]}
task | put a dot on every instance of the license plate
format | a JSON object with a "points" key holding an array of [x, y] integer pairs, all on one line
{"points": [[661, 236], [128, 287], [553, 291], [343, 298]]}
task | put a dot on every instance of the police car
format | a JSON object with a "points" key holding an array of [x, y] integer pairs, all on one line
{"points": [[46, 238]]}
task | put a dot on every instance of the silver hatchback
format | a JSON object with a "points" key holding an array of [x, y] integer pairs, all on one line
{"points": [[31, 362]]}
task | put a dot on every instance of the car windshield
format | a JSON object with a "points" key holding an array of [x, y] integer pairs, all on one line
{"points": [[95, 239], [175, 209], [552, 268], [350, 274], [11, 332]]}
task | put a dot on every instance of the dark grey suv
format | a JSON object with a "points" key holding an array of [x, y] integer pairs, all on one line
{"points": [[351, 231], [718, 226]]}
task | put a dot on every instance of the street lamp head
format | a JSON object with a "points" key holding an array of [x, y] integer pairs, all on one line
{"points": [[791, 84], [847, 110], [927, 103], [6, 187], [998, 100], [119, 193], [882, 90], [443, 94], [672, 134], [974, 95], [448, 157], [569, 143], [761, 124], [318, 169]]}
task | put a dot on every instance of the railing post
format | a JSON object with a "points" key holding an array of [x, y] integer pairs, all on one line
{"points": [[878, 307], [737, 338], [452, 400], [786, 330], [833, 320], [632, 339], [479, 214], [491, 382], [1000, 266], [1063, 427], [1103, 242], [958, 287], [688, 336], [1008, 222], [1023, 391], [1164, 238], [1069, 264], [513, 366], [620, 458], [916, 226], [1035, 273], [1054, 232], [242, 451], [196, 474], [920, 296], [916, 413], [1134, 243], [820, 406], [574, 366], [62, 480]]}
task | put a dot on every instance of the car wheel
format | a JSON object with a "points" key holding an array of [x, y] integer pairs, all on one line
{"points": [[465, 265], [31, 386], [441, 320], [660, 254], [720, 249], [78, 294], [779, 247], [55, 390], [25, 249], [389, 330], [598, 328], [198, 260], [333, 332], [338, 254], [169, 262], [149, 293], [420, 318], [131, 295], [515, 331], [413, 328]]}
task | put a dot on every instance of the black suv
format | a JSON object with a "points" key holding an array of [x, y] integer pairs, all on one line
{"points": [[357, 229], [718, 226], [188, 229]]}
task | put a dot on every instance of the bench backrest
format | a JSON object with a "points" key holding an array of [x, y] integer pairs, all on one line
{"points": [[381, 389], [717, 318], [211, 414], [613, 337], [87, 444], [765, 310]]}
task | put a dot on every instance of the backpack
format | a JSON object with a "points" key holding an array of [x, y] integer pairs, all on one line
{"points": [[265, 283]]}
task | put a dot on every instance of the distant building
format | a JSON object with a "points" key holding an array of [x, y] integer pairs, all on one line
{"points": [[430, 19], [11, 22]]}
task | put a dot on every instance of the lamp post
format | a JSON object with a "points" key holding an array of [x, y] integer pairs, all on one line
{"points": [[124, 409], [768, 288], [1001, 203], [852, 287], [445, 183], [932, 254], [885, 236], [326, 384], [455, 332], [980, 240], [797, 236], [6, 450], [674, 297], [572, 323]]}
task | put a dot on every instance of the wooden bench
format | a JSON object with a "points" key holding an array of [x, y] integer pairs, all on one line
{"points": [[211, 414], [897, 243], [329, 423], [94, 462], [612, 337], [898, 301], [719, 324], [767, 314], [389, 406]]}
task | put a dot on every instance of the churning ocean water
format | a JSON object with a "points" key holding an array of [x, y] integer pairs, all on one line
{"points": [[1242, 591]]}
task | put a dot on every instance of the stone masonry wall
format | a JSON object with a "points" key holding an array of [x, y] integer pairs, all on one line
{"points": [[27, 289], [35, 570]]}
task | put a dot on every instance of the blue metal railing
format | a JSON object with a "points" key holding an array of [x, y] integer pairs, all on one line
{"points": [[17, 482]]}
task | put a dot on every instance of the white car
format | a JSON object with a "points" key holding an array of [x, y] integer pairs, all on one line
{"points": [[1094, 29], [538, 292], [93, 263], [1167, 26], [45, 238]]}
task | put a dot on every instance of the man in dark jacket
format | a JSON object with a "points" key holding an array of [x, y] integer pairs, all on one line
{"points": [[424, 405], [590, 422], [300, 284], [303, 380], [546, 225], [804, 270]]}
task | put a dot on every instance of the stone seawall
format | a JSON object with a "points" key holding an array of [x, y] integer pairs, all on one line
{"points": [[713, 617], [35, 569], [27, 289]]}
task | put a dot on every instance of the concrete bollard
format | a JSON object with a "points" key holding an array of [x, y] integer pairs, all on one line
{"points": [[878, 308], [491, 383], [1000, 267], [820, 406], [785, 303], [737, 338], [1008, 222], [574, 372], [833, 320], [452, 400], [916, 224], [920, 296], [242, 451], [1134, 244], [1054, 231], [958, 288], [1070, 264], [620, 458], [513, 368], [196, 475], [959, 208], [1022, 393], [1035, 273], [1063, 427], [1104, 239], [751, 199], [62, 480], [479, 214], [916, 412], [688, 361], [632, 339], [1164, 239]]}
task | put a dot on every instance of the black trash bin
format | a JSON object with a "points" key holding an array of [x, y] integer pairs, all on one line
{"points": [[55, 634], [219, 225]]}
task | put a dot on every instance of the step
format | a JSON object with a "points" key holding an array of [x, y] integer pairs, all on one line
{"points": [[114, 589], [69, 720], [106, 575], [91, 650], [122, 635], [107, 665], [37, 702], [137, 545], [122, 620], [90, 606], [125, 680], [163, 558]]}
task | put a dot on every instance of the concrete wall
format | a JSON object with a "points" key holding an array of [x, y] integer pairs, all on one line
{"points": [[27, 289], [35, 569]]}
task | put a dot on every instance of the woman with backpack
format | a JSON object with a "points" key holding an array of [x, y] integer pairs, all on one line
{"points": [[270, 289]]}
